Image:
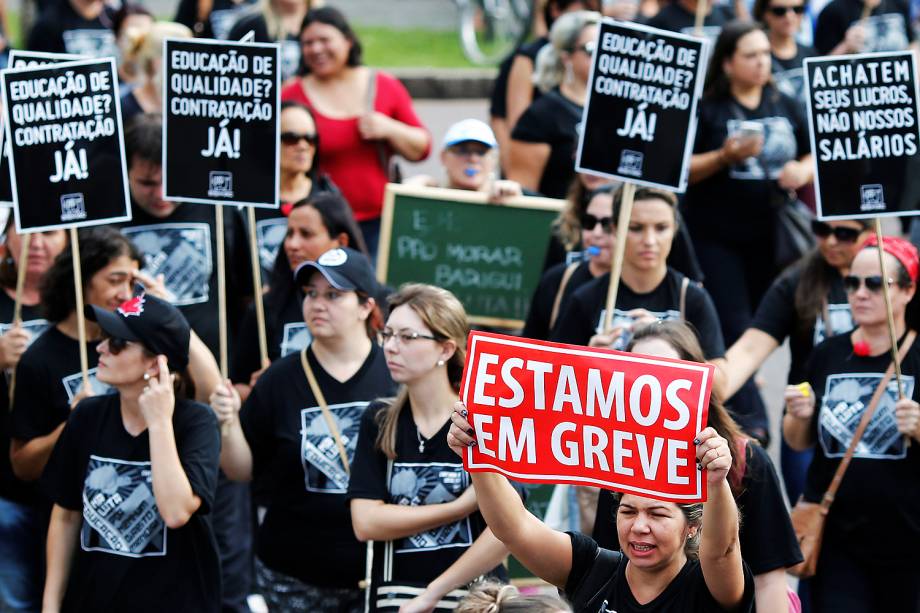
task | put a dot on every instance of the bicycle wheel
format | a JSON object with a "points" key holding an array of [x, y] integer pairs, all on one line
{"points": [[491, 29]]}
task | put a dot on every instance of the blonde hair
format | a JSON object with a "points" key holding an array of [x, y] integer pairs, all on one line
{"points": [[445, 317], [273, 22], [146, 45], [490, 596], [549, 69]]}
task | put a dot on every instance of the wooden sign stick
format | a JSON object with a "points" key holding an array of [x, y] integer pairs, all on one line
{"points": [[25, 239], [701, 7], [81, 318], [257, 286], [619, 249], [221, 290]]}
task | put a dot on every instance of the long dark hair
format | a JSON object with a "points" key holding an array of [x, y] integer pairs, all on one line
{"points": [[313, 173], [98, 247], [717, 82], [333, 17]]}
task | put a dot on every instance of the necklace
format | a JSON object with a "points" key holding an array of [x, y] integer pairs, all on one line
{"points": [[421, 441]]}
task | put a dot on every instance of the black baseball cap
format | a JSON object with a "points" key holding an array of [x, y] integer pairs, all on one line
{"points": [[345, 269], [151, 321]]}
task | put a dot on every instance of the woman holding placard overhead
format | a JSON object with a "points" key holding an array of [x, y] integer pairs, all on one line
{"points": [[298, 430], [849, 407]]}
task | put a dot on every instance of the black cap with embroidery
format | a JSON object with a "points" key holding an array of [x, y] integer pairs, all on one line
{"points": [[150, 321], [345, 269]]}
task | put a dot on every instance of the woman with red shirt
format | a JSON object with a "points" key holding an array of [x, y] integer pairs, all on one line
{"points": [[357, 142]]}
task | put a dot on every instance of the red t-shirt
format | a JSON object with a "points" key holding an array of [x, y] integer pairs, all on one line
{"points": [[352, 163]]}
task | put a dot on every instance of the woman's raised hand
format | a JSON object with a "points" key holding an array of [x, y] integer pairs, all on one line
{"points": [[225, 402], [12, 345], [157, 400], [713, 455], [800, 401], [461, 435]]}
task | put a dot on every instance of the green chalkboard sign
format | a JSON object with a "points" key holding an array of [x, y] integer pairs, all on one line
{"points": [[489, 255]]}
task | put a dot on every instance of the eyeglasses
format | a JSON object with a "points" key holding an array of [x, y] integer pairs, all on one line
{"points": [[841, 233], [292, 138], [405, 337], [780, 11], [589, 222], [116, 345], [852, 283], [587, 48]]}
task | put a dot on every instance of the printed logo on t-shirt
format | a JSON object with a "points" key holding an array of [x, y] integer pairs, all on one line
{"points": [[779, 147], [885, 33], [621, 319], [120, 513], [269, 235], [73, 383], [792, 83], [417, 484], [181, 252], [222, 20], [91, 42], [295, 337], [322, 465], [710, 33], [841, 321], [846, 396], [35, 327], [290, 58]]}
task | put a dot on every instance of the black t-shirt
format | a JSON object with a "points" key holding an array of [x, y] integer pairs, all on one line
{"points": [[676, 18], [307, 530], [880, 487], [183, 248], [127, 558], [12, 488], [554, 120], [583, 316], [734, 205], [541, 303], [61, 30], [432, 476], [767, 539], [789, 75], [777, 316], [887, 26], [130, 107], [498, 104], [253, 19], [285, 333], [223, 15], [687, 592]]}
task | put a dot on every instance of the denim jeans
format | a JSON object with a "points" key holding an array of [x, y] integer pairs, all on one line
{"points": [[22, 556]]}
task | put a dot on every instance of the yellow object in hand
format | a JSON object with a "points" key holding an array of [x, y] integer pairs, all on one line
{"points": [[805, 388]]}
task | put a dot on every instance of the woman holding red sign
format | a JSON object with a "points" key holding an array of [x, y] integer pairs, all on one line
{"points": [[667, 564]]}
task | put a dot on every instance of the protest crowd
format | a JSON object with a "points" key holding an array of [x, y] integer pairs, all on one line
{"points": [[272, 405]]}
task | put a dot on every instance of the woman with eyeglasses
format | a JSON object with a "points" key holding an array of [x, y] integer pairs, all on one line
{"points": [[807, 305], [409, 493], [870, 554], [783, 21], [544, 139], [297, 433], [134, 474]]}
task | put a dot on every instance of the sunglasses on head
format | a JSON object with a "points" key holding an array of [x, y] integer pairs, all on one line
{"points": [[292, 138], [116, 345], [780, 11], [852, 283], [589, 222], [841, 233]]}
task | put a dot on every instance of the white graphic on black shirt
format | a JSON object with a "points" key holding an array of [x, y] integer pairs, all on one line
{"points": [[181, 252], [885, 33], [120, 513], [621, 319], [269, 235], [779, 146], [710, 33], [222, 20], [841, 321], [322, 464], [294, 338], [417, 484], [91, 42], [73, 383], [792, 83], [290, 58], [845, 398]]}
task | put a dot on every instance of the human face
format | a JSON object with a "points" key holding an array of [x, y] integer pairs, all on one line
{"points": [[124, 367], [656, 347], [307, 238], [468, 164], [43, 248], [868, 307], [330, 313], [600, 206], [111, 285], [325, 49], [786, 25], [652, 533], [145, 179], [297, 157], [651, 233], [749, 66], [837, 253], [580, 57], [411, 360]]}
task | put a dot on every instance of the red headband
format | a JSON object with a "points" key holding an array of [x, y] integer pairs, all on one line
{"points": [[902, 249]]}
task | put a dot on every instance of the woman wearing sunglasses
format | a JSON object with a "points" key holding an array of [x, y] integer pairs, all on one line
{"points": [[134, 474], [807, 304], [783, 21], [297, 433], [870, 555], [409, 493]]}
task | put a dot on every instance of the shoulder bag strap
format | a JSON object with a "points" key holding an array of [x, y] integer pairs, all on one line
{"points": [[327, 414], [826, 316], [684, 284], [597, 580], [864, 423], [388, 546], [566, 277]]}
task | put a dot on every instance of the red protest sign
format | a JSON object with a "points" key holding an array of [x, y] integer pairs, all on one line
{"points": [[553, 413]]}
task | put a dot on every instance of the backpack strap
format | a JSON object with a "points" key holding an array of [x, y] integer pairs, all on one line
{"points": [[597, 580], [557, 302], [684, 284]]}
